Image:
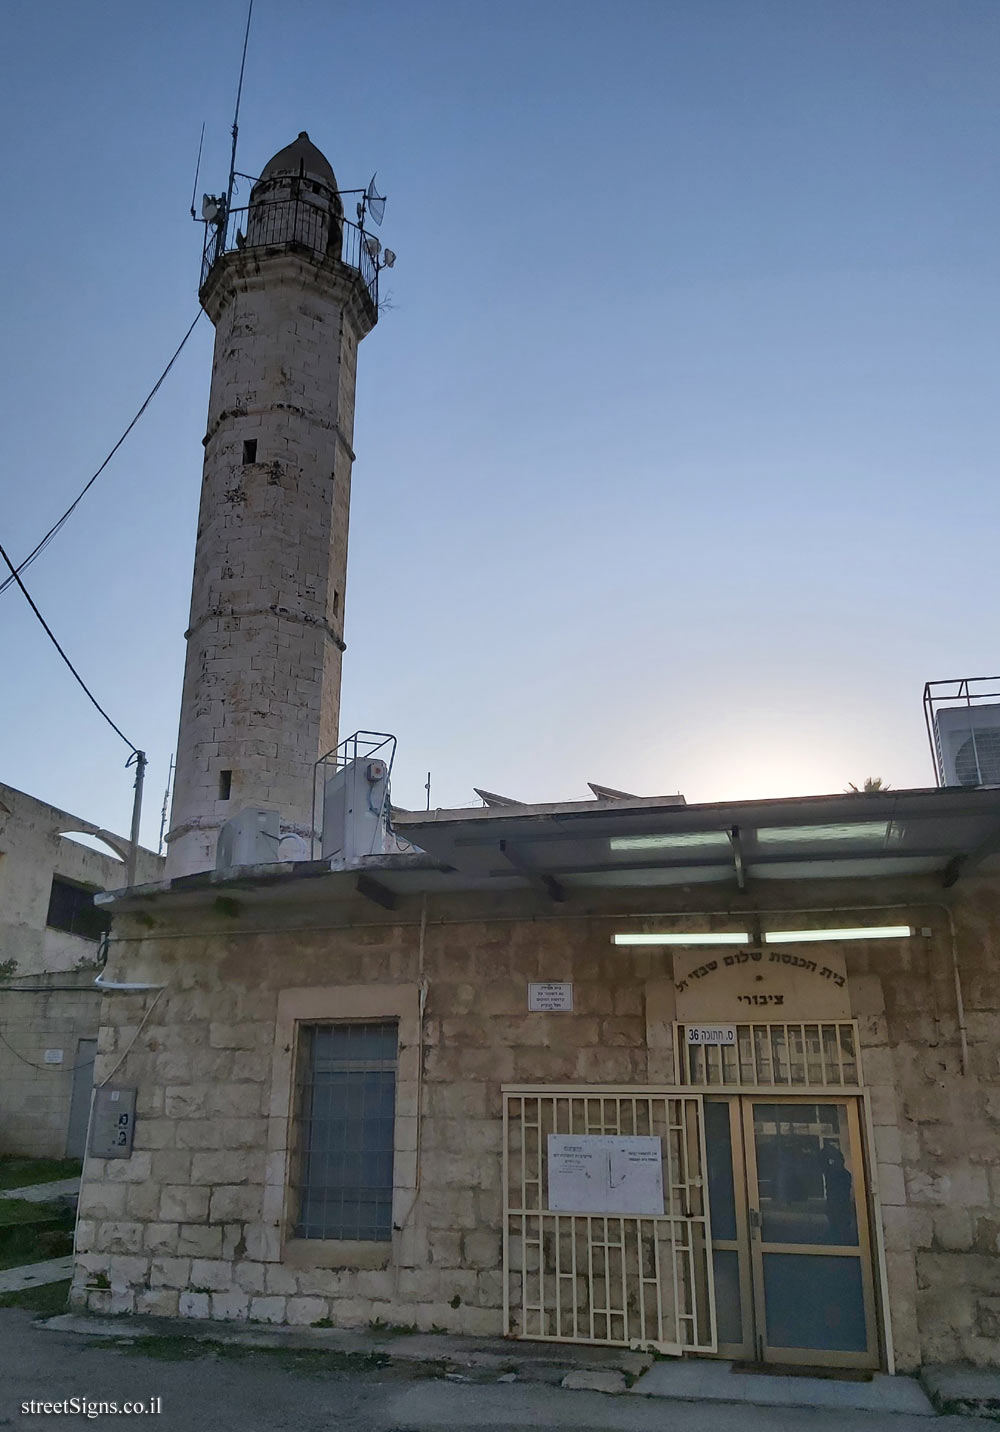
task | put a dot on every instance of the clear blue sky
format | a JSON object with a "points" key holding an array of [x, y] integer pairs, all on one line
{"points": [[677, 452]]}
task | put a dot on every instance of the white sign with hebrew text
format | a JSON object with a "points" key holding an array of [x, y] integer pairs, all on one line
{"points": [[605, 1173], [549, 996]]}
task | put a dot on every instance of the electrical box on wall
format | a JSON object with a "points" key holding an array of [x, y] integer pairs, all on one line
{"points": [[112, 1123]]}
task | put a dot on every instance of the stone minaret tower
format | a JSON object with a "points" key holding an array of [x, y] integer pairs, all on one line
{"points": [[290, 304]]}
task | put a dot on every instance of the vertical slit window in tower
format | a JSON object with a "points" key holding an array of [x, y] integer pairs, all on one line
{"points": [[225, 785], [336, 603], [250, 450]]}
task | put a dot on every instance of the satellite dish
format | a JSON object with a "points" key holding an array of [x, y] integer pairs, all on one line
{"points": [[375, 201], [372, 245], [210, 208], [388, 259]]}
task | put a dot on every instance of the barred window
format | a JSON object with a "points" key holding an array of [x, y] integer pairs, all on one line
{"points": [[346, 1112]]}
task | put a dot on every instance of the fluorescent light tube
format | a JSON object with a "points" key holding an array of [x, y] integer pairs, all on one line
{"points": [[864, 932], [676, 937], [682, 840], [863, 831]]}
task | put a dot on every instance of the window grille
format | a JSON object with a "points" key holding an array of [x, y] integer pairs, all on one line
{"points": [[346, 1113], [72, 908], [806, 1056]]}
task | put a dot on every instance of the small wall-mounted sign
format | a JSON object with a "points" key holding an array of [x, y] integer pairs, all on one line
{"points": [[711, 1033], [112, 1123], [53, 1056], [550, 996]]}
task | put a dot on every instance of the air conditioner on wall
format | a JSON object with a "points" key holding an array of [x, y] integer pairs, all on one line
{"points": [[968, 745]]}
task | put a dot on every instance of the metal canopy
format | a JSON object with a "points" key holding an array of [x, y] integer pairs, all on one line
{"points": [[651, 843], [627, 844]]}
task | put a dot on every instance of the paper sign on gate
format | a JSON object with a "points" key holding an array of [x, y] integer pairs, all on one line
{"points": [[605, 1173]]}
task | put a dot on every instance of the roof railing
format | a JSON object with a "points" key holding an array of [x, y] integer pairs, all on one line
{"points": [[296, 222]]}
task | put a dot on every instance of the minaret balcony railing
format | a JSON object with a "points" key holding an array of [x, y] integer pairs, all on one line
{"points": [[297, 224]]}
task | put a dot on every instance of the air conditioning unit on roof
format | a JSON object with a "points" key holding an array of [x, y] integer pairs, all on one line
{"points": [[355, 811], [968, 744], [249, 838]]}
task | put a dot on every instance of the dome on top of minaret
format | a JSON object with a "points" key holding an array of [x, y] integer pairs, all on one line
{"points": [[301, 157]]}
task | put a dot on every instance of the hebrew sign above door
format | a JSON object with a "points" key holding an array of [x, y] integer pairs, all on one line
{"points": [[773, 984]]}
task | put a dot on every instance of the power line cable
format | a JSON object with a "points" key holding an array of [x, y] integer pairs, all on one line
{"points": [[55, 528], [44, 1068], [15, 576]]}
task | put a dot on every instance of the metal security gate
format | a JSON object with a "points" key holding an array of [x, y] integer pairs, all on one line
{"points": [[801, 1055], [632, 1279]]}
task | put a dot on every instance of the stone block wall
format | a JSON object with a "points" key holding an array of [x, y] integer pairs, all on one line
{"points": [[35, 1096], [949, 1126], [189, 1224], [179, 1227], [261, 689]]}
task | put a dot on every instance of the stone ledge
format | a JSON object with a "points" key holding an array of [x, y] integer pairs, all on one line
{"points": [[530, 1361], [967, 1391], [715, 1380]]}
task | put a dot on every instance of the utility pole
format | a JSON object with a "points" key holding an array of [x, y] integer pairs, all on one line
{"points": [[133, 850]]}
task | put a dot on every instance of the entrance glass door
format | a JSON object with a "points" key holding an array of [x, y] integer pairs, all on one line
{"points": [[791, 1251], [809, 1232]]}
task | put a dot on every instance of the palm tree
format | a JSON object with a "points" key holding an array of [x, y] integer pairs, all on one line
{"points": [[872, 783]]}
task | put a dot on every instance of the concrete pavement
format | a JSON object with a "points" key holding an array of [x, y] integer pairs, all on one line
{"points": [[706, 1380], [45, 1192], [277, 1389], [613, 1370], [34, 1275]]}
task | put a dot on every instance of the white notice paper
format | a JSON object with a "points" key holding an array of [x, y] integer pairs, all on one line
{"points": [[605, 1173]]}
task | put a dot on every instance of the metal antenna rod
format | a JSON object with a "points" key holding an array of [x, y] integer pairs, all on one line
{"points": [[197, 171], [236, 114]]}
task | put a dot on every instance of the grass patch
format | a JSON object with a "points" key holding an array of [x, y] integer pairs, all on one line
{"points": [[46, 1300], [18, 1172], [309, 1360], [33, 1232], [20, 1210], [377, 1325]]}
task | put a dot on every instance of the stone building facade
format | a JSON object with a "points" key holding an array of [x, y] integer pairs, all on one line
{"points": [[201, 1221], [49, 1007]]}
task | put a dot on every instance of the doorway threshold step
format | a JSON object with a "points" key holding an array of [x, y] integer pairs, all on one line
{"points": [[706, 1380]]}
